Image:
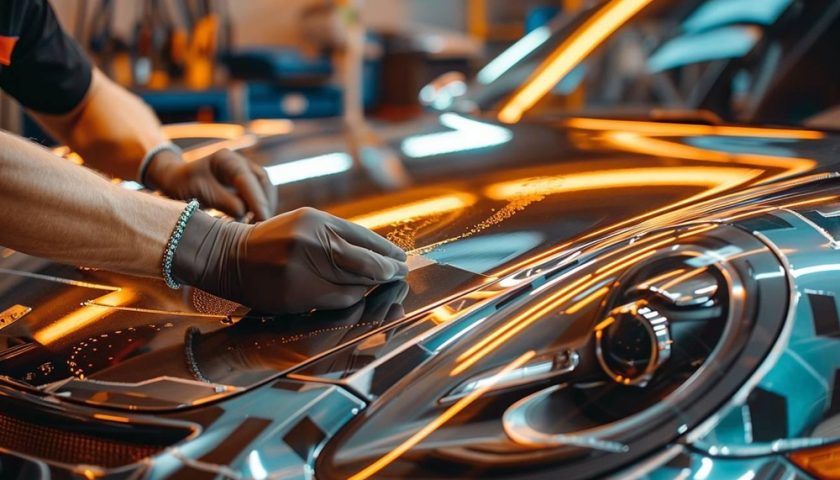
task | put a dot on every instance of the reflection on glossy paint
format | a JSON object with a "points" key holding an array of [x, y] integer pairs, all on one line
{"points": [[439, 421], [622, 178], [715, 13], [662, 129], [571, 52], [83, 316], [516, 324], [111, 418], [256, 466], [705, 470], [239, 143], [320, 166], [513, 55], [267, 127], [230, 136], [226, 131], [412, 211], [712, 192], [633, 142], [467, 134], [733, 41], [585, 301]]}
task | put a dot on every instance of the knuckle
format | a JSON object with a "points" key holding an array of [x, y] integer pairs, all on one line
{"points": [[308, 214]]}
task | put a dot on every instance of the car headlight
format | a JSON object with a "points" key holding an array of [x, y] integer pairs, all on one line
{"points": [[621, 347]]}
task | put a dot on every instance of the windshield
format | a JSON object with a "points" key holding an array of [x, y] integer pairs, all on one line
{"points": [[732, 58]]}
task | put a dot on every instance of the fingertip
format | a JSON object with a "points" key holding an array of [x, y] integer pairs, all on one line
{"points": [[402, 271], [399, 254]]}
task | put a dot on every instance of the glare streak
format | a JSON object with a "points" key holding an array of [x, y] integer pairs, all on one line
{"points": [[82, 317], [322, 165], [415, 210], [513, 55], [479, 345], [519, 323], [663, 129], [467, 134], [573, 50], [692, 200]]}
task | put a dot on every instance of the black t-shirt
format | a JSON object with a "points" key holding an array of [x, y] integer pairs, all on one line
{"points": [[40, 65]]}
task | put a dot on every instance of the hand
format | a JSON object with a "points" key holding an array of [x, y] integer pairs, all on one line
{"points": [[302, 260], [224, 180]]}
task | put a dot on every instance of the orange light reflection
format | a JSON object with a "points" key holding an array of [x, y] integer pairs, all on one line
{"points": [[226, 131], [492, 336], [662, 129], [716, 177], [111, 418], [692, 200], [415, 210], [569, 54], [587, 300], [520, 322], [447, 415], [632, 142], [83, 316]]}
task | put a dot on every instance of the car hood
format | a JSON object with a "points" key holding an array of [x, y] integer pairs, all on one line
{"points": [[471, 202]]}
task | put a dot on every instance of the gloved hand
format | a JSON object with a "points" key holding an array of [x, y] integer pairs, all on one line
{"points": [[292, 263], [224, 180]]}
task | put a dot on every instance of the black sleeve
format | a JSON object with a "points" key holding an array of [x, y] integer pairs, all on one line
{"points": [[49, 73]]}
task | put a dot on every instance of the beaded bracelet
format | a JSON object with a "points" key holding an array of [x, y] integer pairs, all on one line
{"points": [[172, 244]]}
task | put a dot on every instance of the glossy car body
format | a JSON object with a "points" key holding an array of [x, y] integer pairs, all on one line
{"points": [[490, 367], [590, 297]]}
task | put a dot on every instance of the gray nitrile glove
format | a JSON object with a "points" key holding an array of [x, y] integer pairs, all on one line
{"points": [[291, 263]]}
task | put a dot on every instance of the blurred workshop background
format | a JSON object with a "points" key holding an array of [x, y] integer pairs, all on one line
{"points": [[234, 61]]}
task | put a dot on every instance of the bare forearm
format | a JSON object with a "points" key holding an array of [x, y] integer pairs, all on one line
{"points": [[112, 129], [57, 210]]}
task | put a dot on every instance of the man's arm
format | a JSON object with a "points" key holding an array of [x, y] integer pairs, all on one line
{"points": [[111, 128], [57, 210], [290, 263]]}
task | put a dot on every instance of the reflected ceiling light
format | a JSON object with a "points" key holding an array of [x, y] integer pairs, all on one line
{"points": [[468, 134], [239, 143], [513, 55], [622, 178], [266, 127], [320, 166], [83, 316], [419, 209], [225, 131], [570, 53], [661, 129]]}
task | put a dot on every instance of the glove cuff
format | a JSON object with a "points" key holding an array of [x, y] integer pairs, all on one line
{"points": [[193, 254], [207, 255]]}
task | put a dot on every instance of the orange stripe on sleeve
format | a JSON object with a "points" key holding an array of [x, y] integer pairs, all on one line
{"points": [[7, 46]]}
